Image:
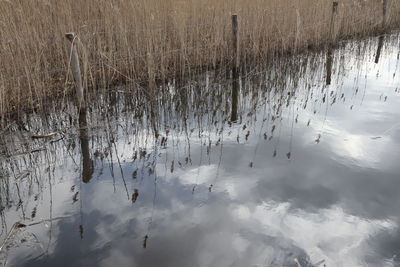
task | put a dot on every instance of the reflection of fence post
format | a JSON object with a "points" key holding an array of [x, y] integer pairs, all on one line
{"points": [[76, 70], [332, 34], [329, 63], [87, 162], [379, 49], [235, 99], [235, 67]]}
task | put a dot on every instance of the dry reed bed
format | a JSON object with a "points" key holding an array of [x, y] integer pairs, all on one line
{"points": [[130, 41]]}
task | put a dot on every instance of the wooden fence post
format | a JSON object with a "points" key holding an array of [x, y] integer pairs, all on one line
{"points": [[332, 40], [332, 34], [298, 23], [382, 37], [384, 13], [235, 68], [75, 68], [235, 42]]}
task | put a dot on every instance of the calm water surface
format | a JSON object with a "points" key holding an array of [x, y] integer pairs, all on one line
{"points": [[308, 175]]}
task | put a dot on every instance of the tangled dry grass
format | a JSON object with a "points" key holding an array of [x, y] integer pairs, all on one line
{"points": [[132, 41]]}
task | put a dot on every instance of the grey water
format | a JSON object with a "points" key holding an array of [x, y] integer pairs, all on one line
{"points": [[308, 173]]}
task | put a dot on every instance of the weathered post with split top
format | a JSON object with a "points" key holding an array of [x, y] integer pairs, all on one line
{"points": [[73, 62]]}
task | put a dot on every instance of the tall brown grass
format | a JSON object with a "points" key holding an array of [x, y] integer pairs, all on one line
{"points": [[130, 41]]}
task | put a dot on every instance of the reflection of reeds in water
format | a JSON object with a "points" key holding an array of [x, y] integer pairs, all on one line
{"points": [[185, 117], [124, 41]]}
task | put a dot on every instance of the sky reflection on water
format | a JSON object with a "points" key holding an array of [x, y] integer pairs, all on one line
{"points": [[309, 175]]}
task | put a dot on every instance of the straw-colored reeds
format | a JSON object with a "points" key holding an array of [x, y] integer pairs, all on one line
{"points": [[132, 41]]}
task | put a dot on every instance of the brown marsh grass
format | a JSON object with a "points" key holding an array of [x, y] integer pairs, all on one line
{"points": [[129, 41]]}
